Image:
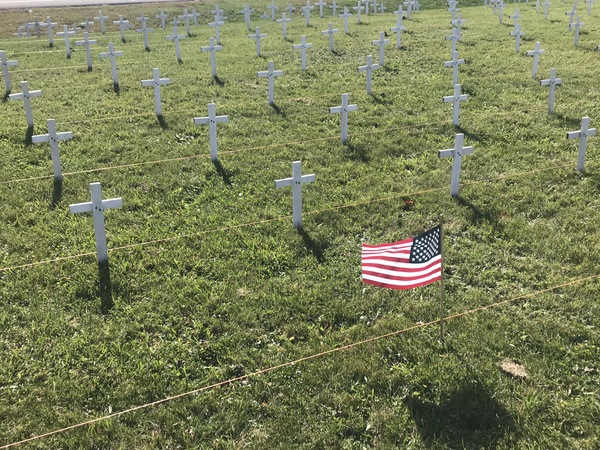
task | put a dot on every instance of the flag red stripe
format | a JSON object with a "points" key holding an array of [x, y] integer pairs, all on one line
{"points": [[406, 241], [402, 288], [410, 269]]}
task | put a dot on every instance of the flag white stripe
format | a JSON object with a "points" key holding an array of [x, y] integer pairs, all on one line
{"points": [[399, 282], [387, 247], [398, 273], [399, 265], [387, 253]]}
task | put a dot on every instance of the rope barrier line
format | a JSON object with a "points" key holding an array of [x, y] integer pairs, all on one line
{"points": [[274, 219], [297, 361]]}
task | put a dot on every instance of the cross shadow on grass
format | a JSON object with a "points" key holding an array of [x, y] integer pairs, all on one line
{"points": [[567, 120], [467, 416], [105, 287], [6, 96], [480, 214], [357, 152], [56, 192], [162, 122], [223, 173], [29, 135], [277, 109], [381, 99], [117, 88], [218, 80], [317, 248], [468, 134]]}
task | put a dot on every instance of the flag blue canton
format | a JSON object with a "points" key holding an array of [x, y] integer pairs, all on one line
{"points": [[426, 246]]}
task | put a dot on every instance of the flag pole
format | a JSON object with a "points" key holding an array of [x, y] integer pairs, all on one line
{"points": [[442, 281]]}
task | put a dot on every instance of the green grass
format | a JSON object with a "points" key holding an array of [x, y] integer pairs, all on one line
{"points": [[211, 281]]}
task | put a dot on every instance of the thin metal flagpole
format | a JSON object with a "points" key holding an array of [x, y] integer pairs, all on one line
{"points": [[442, 282]]}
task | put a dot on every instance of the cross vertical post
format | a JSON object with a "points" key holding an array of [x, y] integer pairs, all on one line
{"points": [[551, 82], [546, 5], [257, 37], [88, 52], [156, 82], [381, 43], [217, 24], [186, 17], [369, 68], [320, 4], [454, 63], [175, 38], [212, 48], [345, 16], [577, 26], [5, 65], [26, 96], [399, 28], [112, 55], [582, 135], [333, 8], [343, 109], [296, 183], [49, 24], [536, 57], [66, 33], [307, 9], [456, 153], [53, 137], [163, 17], [302, 46], [330, 31], [517, 33], [283, 21], [273, 8], [358, 8], [212, 121], [455, 100], [87, 25], [247, 11], [145, 29], [123, 25], [101, 19], [270, 74]]}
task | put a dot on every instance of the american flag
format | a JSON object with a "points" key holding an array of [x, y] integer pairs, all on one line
{"points": [[405, 264]]}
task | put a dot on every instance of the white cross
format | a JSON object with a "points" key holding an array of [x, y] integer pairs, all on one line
{"points": [[343, 109], [53, 137], [283, 21], [577, 26], [302, 46], [456, 153], [212, 120], [358, 8], [66, 33], [536, 56], [212, 48], [5, 65], [217, 24], [582, 135], [175, 38], [552, 82], [345, 16], [273, 8], [321, 4], [590, 3], [257, 37], [400, 13], [333, 8], [26, 96], [195, 15], [455, 100], [381, 42], [186, 16], [367, 3], [100, 18], [246, 11], [22, 31], [409, 6], [270, 75], [453, 10], [516, 17], [571, 15], [37, 25], [123, 25], [454, 37], [307, 9], [88, 53], [369, 68], [97, 207], [382, 8], [87, 24], [290, 9], [501, 11], [218, 12], [296, 182], [330, 31], [156, 82], [113, 63], [458, 22], [399, 28], [454, 63], [145, 29], [162, 16], [517, 34], [546, 5], [49, 24]]}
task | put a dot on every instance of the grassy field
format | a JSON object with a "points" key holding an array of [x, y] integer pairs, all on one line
{"points": [[210, 280]]}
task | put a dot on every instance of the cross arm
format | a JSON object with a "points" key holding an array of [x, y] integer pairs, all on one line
{"points": [[201, 120], [283, 183], [112, 203], [570, 134], [335, 109], [308, 178], [40, 138], [64, 135], [77, 208]]}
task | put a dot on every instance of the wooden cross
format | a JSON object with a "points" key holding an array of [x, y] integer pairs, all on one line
{"points": [[87, 25], [307, 9], [571, 15], [247, 11], [344, 108], [49, 24], [112, 55], [212, 48], [358, 8], [454, 63], [536, 57], [456, 153], [455, 100], [270, 74], [97, 207], [186, 16], [273, 8], [26, 96], [330, 31], [66, 33], [296, 183], [399, 28], [217, 24], [5, 65], [162, 16], [283, 21], [100, 18], [381, 42], [175, 38], [582, 135], [212, 120], [518, 34], [552, 82], [333, 8], [144, 30], [546, 5], [345, 16], [53, 137], [320, 4], [577, 26], [123, 25], [156, 82], [257, 36], [454, 37], [369, 68], [88, 53], [302, 46]]}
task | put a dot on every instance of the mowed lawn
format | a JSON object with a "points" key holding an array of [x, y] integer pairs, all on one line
{"points": [[210, 281]]}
